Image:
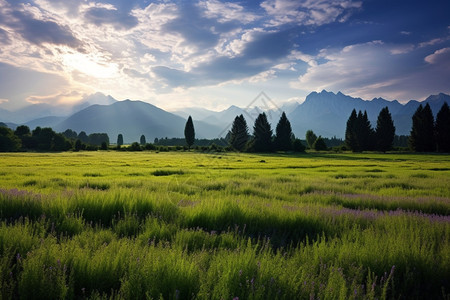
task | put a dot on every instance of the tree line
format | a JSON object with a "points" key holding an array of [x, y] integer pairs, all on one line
{"points": [[262, 139], [45, 139], [427, 135]]}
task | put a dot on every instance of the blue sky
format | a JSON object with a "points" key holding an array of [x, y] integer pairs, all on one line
{"points": [[213, 54]]}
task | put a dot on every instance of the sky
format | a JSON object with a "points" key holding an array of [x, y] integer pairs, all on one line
{"points": [[213, 53]]}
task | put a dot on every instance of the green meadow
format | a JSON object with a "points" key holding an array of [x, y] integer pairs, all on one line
{"points": [[188, 225]]}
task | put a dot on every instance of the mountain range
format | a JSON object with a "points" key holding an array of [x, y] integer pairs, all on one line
{"points": [[325, 113]]}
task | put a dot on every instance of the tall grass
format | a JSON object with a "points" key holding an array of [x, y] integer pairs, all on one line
{"points": [[142, 225]]}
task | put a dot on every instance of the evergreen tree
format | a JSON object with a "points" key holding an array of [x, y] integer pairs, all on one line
{"points": [[239, 133], [262, 134], [189, 132], [319, 144], [311, 137], [422, 132], [351, 138], [283, 136], [443, 129], [366, 134], [119, 140], [385, 131], [143, 141]]}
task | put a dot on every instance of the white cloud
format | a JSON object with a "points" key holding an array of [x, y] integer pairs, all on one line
{"points": [[309, 12], [58, 98], [441, 56], [433, 42], [262, 77], [227, 11], [402, 49], [4, 100]]}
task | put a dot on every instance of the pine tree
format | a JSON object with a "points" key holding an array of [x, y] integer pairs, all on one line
{"points": [[142, 140], [422, 132], [443, 129], [351, 138], [367, 134], [262, 134], [239, 133], [189, 132], [119, 140], [385, 131], [283, 137], [311, 137]]}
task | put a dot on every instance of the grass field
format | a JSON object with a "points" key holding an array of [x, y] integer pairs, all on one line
{"points": [[224, 226]]}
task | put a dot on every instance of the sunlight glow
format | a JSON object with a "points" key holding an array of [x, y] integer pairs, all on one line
{"points": [[92, 65]]}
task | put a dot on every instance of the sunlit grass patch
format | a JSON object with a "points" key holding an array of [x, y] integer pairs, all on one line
{"points": [[104, 225]]}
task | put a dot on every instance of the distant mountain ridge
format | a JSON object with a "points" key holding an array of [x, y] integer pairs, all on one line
{"points": [[132, 119], [326, 113]]}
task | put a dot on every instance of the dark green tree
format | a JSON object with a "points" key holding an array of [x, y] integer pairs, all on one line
{"points": [[366, 134], [135, 147], [385, 131], [189, 132], [351, 138], [359, 135], [24, 133], [83, 137], [119, 140], [298, 146], [238, 135], [98, 138], [22, 130], [60, 143], [9, 141], [319, 144], [283, 134], [311, 137], [142, 140], [78, 145], [104, 146], [262, 134], [43, 138], [422, 132], [443, 129], [70, 134]]}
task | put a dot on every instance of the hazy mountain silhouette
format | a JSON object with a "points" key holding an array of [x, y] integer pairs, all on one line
{"points": [[45, 122], [326, 113], [132, 119]]}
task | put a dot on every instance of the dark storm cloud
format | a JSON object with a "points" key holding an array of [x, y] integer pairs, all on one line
{"points": [[118, 19]]}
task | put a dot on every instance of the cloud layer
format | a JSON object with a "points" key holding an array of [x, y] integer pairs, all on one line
{"points": [[179, 53]]}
